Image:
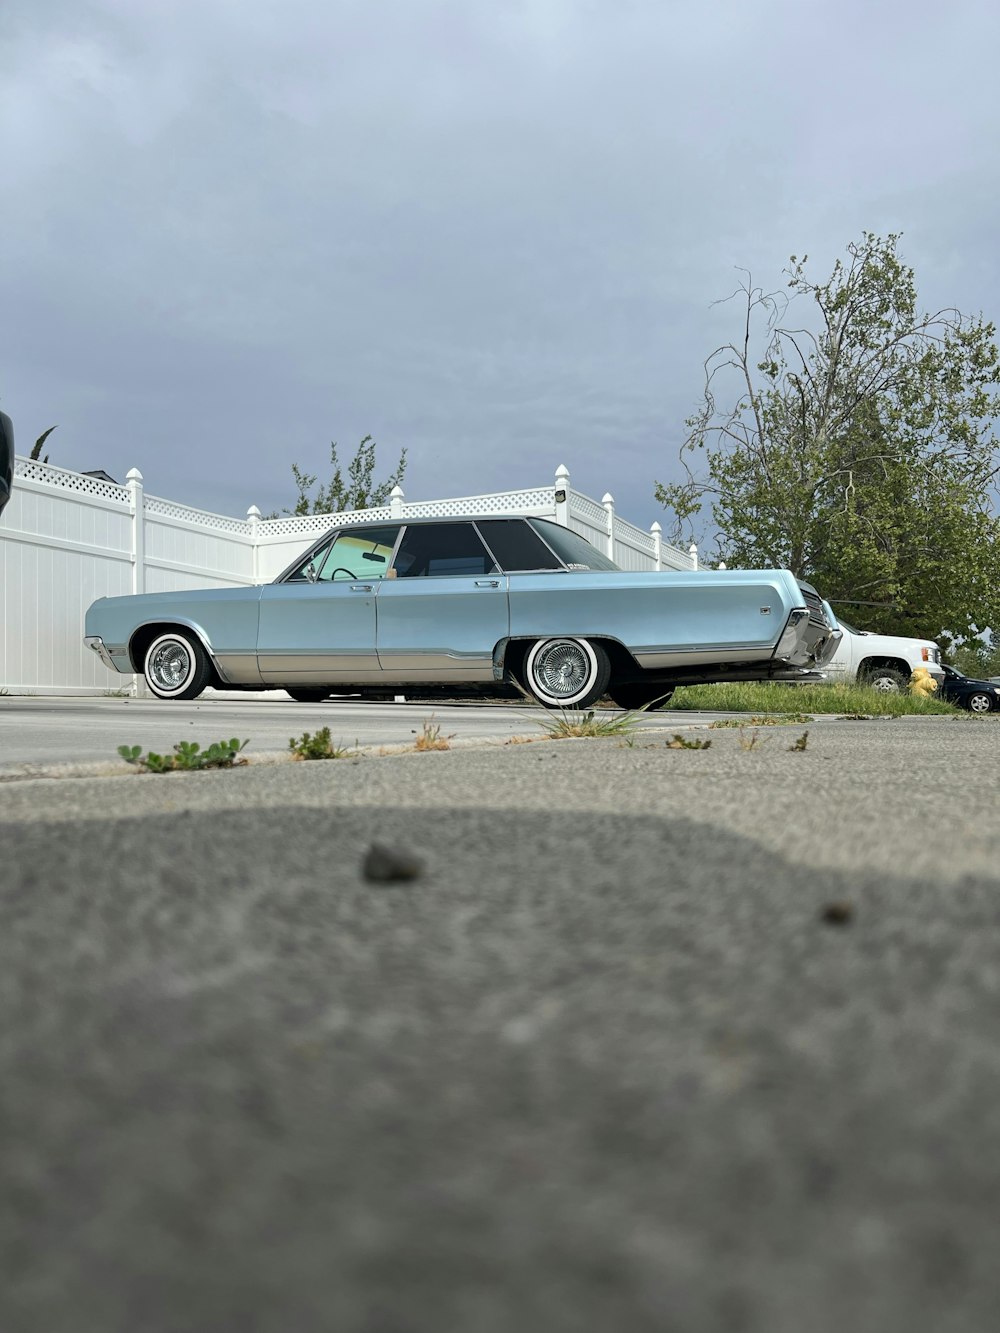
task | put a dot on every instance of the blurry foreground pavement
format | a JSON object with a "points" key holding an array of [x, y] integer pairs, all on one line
{"points": [[604, 1066]]}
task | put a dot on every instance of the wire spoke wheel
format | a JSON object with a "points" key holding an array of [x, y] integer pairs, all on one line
{"points": [[561, 668], [176, 667], [566, 673]]}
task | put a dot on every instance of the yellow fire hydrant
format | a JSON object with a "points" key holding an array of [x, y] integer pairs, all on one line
{"points": [[922, 683]]}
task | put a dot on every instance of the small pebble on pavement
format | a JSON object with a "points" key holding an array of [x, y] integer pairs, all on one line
{"points": [[838, 913], [389, 865]]}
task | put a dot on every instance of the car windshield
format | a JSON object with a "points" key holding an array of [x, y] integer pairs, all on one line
{"points": [[573, 550]]}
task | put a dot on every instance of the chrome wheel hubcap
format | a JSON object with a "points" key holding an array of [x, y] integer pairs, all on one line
{"points": [[170, 666], [561, 669]]}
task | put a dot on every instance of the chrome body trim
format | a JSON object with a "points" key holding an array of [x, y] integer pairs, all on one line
{"points": [[96, 644]]}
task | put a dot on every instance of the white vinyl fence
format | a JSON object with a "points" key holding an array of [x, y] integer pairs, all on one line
{"points": [[67, 538]]}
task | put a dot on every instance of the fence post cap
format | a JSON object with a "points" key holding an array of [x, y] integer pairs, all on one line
{"points": [[655, 526], [133, 474], [396, 493], [253, 512], [562, 472]]}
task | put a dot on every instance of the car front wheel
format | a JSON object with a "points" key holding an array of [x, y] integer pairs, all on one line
{"points": [[980, 703], [566, 673], [176, 666]]}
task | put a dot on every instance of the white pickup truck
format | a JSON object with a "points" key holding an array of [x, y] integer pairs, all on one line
{"points": [[883, 661]]}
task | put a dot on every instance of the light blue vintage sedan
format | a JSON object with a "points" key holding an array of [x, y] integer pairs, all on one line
{"points": [[494, 605]]}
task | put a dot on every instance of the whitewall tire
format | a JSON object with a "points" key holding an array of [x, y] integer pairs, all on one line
{"points": [[176, 666], [566, 673]]}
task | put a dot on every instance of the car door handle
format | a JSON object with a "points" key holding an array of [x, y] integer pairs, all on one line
{"points": [[487, 583], [361, 587]]}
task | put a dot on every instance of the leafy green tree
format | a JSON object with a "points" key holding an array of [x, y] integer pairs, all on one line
{"points": [[357, 490], [856, 448], [976, 657]]}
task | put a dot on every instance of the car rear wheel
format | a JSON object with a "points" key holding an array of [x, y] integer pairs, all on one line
{"points": [[980, 702], [886, 680], [176, 666], [304, 695], [566, 673], [648, 697]]}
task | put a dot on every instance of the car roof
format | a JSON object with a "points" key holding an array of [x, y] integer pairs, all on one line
{"points": [[389, 521]]}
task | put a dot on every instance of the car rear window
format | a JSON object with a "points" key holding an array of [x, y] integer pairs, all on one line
{"points": [[575, 551]]}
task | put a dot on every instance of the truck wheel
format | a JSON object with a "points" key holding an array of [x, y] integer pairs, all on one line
{"points": [[887, 680]]}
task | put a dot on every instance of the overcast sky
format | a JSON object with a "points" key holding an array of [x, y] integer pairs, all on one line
{"points": [[489, 230]]}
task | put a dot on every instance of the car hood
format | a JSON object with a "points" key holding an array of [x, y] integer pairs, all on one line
{"points": [[143, 602]]}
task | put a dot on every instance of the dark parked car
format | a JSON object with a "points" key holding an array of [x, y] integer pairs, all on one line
{"points": [[979, 696], [6, 458]]}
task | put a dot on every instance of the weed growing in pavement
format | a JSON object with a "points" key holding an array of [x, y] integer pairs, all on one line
{"points": [[188, 756], [765, 720], [680, 742], [429, 737], [568, 723], [801, 743], [319, 746], [750, 740]]}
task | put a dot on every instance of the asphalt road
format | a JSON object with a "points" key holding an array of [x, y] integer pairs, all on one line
{"points": [[37, 732], [661, 1039]]}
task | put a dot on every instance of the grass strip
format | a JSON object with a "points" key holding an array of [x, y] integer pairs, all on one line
{"points": [[777, 697]]}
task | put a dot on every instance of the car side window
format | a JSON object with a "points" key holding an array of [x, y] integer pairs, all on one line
{"points": [[358, 553], [437, 549], [516, 545]]}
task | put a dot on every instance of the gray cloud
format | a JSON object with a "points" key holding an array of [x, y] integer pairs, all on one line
{"points": [[493, 234]]}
